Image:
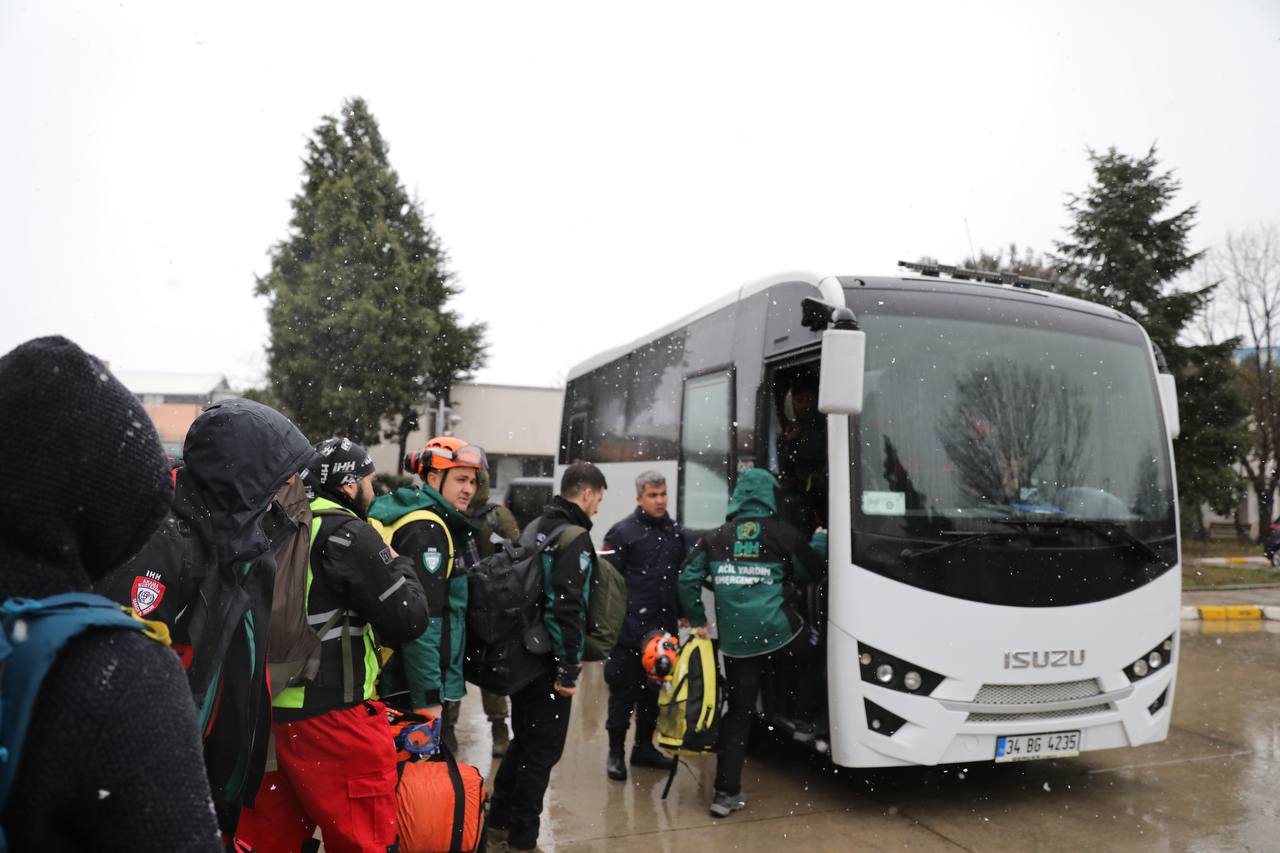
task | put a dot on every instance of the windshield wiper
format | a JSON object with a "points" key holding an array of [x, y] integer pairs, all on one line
{"points": [[1108, 530], [909, 555]]}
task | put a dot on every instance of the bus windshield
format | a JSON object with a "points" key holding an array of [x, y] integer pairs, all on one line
{"points": [[1020, 412]]}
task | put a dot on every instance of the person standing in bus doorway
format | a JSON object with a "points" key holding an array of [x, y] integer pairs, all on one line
{"points": [[428, 525], [802, 456], [540, 709], [754, 562], [494, 525], [649, 548]]}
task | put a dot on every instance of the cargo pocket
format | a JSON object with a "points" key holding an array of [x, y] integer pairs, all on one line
{"points": [[372, 799]]}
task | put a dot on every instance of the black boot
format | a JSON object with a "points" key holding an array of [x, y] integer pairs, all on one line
{"points": [[645, 754], [617, 766]]}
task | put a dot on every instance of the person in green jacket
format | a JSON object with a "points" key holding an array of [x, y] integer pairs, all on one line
{"points": [[754, 563], [428, 525]]}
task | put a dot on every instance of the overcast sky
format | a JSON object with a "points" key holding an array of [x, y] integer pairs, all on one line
{"points": [[593, 172]]}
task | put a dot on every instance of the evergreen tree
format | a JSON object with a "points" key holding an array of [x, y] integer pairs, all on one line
{"points": [[1125, 251], [360, 329]]}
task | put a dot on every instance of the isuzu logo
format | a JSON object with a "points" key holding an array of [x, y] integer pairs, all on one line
{"points": [[1044, 660]]}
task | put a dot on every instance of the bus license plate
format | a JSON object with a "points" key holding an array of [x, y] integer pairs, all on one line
{"points": [[1031, 747]]}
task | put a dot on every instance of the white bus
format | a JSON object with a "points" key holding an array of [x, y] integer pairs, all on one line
{"points": [[994, 465]]}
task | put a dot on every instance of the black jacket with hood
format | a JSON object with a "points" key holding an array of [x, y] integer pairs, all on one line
{"points": [[210, 570], [112, 760], [567, 573]]}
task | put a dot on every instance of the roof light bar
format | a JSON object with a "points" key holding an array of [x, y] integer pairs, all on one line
{"points": [[987, 276]]}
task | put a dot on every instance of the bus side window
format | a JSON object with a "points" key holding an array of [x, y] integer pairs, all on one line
{"points": [[577, 438], [706, 443]]}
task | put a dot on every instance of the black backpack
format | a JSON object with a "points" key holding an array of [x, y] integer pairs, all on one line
{"points": [[504, 591]]}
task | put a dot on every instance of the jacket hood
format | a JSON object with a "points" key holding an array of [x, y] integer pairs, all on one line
{"points": [[87, 483], [237, 455], [756, 495], [387, 509], [480, 500]]}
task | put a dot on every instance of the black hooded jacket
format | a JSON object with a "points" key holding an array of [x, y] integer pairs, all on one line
{"points": [[112, 760], [210, 570]]}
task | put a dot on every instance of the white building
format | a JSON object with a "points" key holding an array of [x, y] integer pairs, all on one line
{"points": [[518, 426], [174, 400]]}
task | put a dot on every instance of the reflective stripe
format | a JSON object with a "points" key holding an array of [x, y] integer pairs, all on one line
{"points": [[336, 634], [321, 618], [391, 589]]}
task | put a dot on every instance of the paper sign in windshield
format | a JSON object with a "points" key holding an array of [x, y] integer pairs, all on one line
{"points": [[884, 503]]}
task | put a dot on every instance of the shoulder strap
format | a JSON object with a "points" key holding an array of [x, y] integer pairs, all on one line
{"points": [[568, 533], [34, 632], [459, 800], [389, 531]]}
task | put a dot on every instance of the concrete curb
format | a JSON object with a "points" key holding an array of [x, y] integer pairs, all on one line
{"points": [[1231, 612], [1236, 562]]}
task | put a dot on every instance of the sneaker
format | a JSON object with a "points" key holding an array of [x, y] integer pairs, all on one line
{"points": [[645, 754], [726, 804], [501, 738], [616, 768]]}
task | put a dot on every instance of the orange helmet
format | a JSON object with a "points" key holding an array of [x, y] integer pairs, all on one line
{"points": [[658, 655], [443, 452]]}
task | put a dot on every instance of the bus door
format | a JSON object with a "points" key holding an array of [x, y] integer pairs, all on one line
{"points": [[796, 449]]}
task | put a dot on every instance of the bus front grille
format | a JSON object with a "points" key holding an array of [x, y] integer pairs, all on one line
{"points": [[1038, 715], [1033, 694]]}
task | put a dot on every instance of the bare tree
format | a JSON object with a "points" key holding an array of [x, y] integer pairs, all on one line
{"points": [[1250, 264]]}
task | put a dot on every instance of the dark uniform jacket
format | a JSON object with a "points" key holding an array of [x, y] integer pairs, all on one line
{"points": [[648, 552], [566, 581], [208, 573], [352, 569], [754, 563]]}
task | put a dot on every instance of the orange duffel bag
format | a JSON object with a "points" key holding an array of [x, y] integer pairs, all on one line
{"points": [[440, 805]]}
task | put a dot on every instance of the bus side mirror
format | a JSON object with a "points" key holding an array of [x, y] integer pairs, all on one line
{"points": [[844, 357], [1168, 401]]}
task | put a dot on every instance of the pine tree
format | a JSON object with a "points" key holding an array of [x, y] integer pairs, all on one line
{"points": [[360, 329], [1123, 250]]}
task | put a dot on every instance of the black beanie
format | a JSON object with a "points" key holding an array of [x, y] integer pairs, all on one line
{"points": [[338, 462], [86, 481]]}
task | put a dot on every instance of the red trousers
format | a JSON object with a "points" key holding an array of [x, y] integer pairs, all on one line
{"points": [[338, 772]]}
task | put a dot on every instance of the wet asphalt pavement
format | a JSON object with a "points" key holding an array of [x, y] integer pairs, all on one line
{"points": [[1212, 786]]}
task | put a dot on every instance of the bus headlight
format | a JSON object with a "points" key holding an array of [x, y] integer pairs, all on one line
{"points": [[1151, 661], [885, 670]]}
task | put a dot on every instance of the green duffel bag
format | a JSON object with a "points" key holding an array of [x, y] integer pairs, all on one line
{"points": [[606, 608]]}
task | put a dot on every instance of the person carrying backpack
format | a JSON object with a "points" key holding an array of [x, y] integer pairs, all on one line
{"points": [[337, 762], [111, 758], [540, 708], [208, 573], [428, 526], [494, 525], [754, 563]]}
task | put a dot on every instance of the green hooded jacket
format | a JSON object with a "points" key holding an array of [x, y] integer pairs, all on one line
{"points": [[754, 564], [441, 542]]}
